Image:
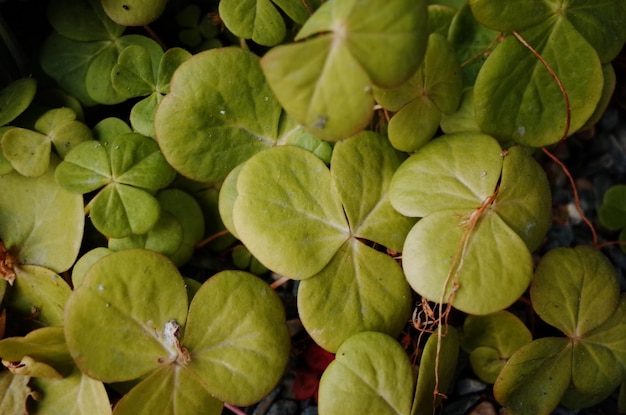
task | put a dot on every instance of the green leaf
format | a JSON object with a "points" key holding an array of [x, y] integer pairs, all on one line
{"points": [[86, 168], [599, 22], [173, 391], [472, 43], [74, 394], [82, 20], [361, 169], [515, 96], [612, 213], [351, 295], [109, 128], [28, 151], [121, 323], [610, 333], [524, 199], [482, 274], [238, 343], [142, 114], [85, 262], [536, 377], [15, 98], [165, 237], [120, 210], [466, 165], [134, 12], [463, 119], [188, 212], [285, 199], [258, 20], [380, 48], [39, 294], [436, 371], [575, 289], [40, 222], [168, 64], [491, 340], [219, 112], [439, 18], [44, 345], [134, 75], [370, 374], [14, 392]]}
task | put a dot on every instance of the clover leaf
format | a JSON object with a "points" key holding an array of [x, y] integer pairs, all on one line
{"points": [[128, 167], [479, 221], [127, 320], [420, 102], [133, 12], [523, 101], [380, 49], [576, 291], [304, 221], [29, 151], [15, 98]]}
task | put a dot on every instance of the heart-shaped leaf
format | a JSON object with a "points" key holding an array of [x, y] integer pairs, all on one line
{"points": [[535, 377], [258, 20], [165, 237], [370, 374], [575, 289], [612, 213], [522, 102], [353, 294], [204, 126], [82, 20], [285, 185], [121, 322], [382, 45], [40, 222], [238, 343]]}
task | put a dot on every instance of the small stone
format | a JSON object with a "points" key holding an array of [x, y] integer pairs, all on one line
{"points": [[483, 408]]}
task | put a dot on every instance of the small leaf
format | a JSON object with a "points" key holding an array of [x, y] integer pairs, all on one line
{"points": [[15, 98], [238, 343], [575, 289], [28, 151], [253, 19], [370, 374], [85, 262], [133, 75], [116, 322], [491, 340], [165, 237], [82, 20], [612, 213]]}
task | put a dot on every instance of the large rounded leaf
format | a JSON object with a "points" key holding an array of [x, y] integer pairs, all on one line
{"points": [[575, 289], [122, 321], [371, 374], [40, 222], [456, 171], [360, 290], [237, 338], [480, 270], [219, 112], [287, 213]]}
